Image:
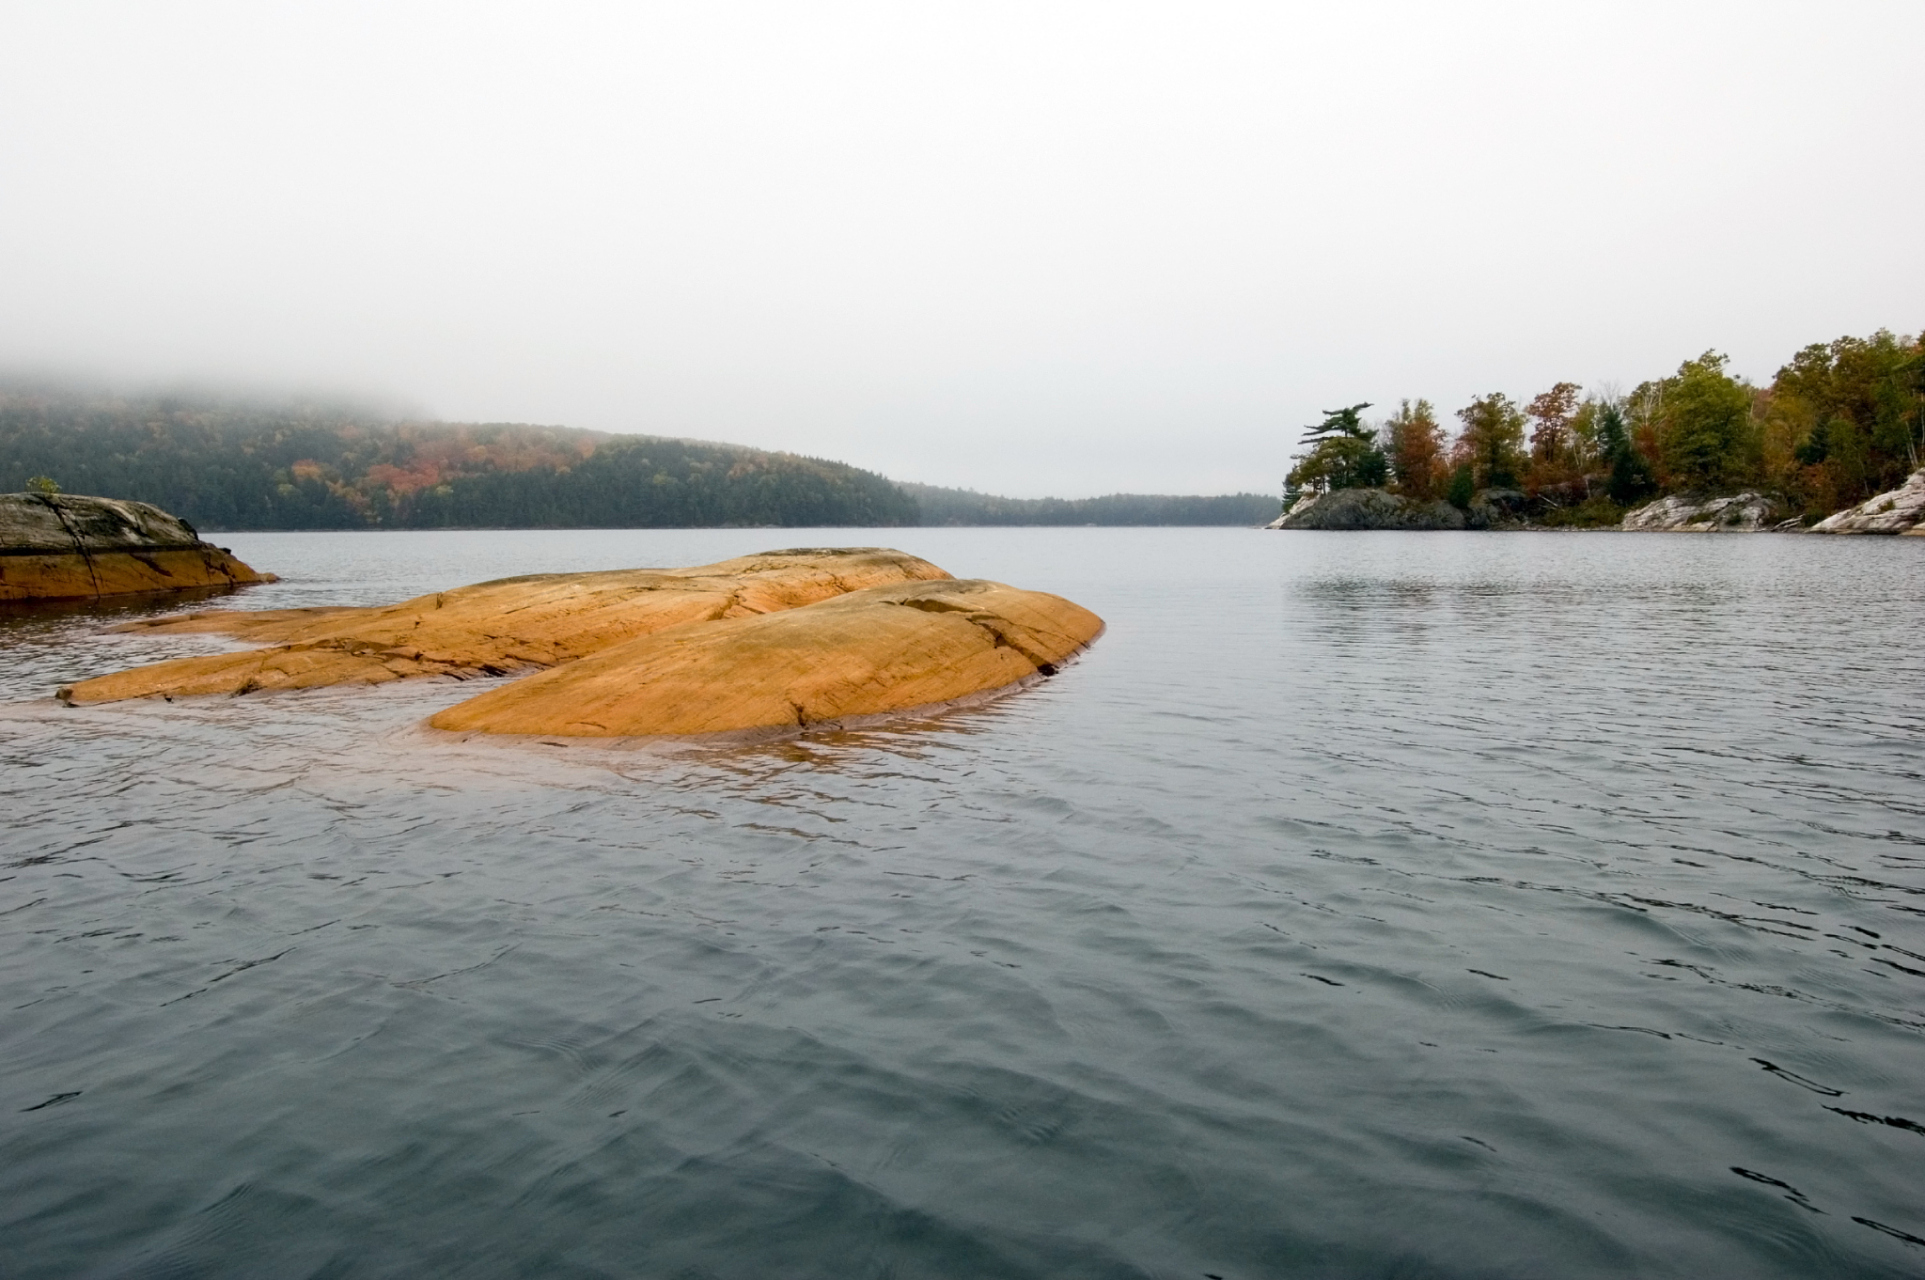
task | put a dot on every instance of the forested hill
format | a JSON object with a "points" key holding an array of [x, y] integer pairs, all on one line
{"points": [[966, 507], [234, 464], [226, 464]]}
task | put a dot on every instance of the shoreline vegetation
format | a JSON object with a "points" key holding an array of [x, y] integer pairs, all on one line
{"points": [[230, 464], [1835, 442]]}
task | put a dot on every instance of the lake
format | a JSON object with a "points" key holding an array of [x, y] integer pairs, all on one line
{"points": [[1359, 905]]}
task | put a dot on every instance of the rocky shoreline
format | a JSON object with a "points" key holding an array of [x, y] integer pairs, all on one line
{"points": [[69, 547], [1900, 512]]}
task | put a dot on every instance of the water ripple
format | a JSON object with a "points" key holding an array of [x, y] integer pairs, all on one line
{"points": [[1400, 904]]}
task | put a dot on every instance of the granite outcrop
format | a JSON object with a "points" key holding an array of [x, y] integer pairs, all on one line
{"points": [[770, 641], [504, 627], [1361, 509], [71, 547], [865, 654], [1900, 511], [1703, 513]]}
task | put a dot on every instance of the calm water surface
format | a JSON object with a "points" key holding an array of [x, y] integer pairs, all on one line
{"points": [[1360, 905]]}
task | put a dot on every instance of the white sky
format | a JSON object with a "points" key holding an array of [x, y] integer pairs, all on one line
{"points": [[1030, 248]]}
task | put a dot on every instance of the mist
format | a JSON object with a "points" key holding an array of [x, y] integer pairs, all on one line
{"points": [[1062, 249]]}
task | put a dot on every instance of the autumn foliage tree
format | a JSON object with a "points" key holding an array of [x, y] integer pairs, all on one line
{"points": [[1415, 444], [1845, 420], [1555, 457]]}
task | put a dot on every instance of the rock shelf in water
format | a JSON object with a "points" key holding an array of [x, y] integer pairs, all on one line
{"points": [[69, 547], [867, 653], [780, 639]]}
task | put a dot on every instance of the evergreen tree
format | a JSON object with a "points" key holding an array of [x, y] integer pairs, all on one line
{"points": [[1343, 454], [1630, 475]]}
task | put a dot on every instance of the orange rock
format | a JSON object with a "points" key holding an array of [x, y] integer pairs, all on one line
{"points": [[68, 547], [494, 628], [866, 653]]}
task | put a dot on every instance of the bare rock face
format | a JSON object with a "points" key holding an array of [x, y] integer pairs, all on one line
{"points": [[495, 628], [1697, 513], [864, 654], [778, 640], [68, 547], [1358, 509], [1900, 511]]}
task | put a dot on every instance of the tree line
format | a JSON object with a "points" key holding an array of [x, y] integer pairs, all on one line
{"points": [[941, 506], [1840, 422], [224, 463]]}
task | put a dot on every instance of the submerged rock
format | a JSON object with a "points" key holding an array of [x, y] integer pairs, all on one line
{"points": [[1701, 513], [1360, 509], [868, 653], [69, 547], [1900, 511], [783, 639]]}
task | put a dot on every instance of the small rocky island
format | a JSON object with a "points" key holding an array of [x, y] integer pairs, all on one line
{"points": [[780, 640], [1835, 444], [59, 546], [1901, 511]]}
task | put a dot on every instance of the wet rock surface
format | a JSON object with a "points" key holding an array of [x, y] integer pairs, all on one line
{"points": [[868, 653], [781, 639], [508, 626], [72, 547]]}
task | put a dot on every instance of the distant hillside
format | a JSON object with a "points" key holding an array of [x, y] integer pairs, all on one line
{"points": [[967, 507], [226, 464]]}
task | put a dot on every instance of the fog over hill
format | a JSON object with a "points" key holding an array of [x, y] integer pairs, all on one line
{"points": [[228, 463]]}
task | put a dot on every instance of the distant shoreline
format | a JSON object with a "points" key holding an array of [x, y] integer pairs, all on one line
{"points": [[1897, 512]]}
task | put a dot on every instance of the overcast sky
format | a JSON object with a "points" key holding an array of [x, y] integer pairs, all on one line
{"points": [[1030, 248]]}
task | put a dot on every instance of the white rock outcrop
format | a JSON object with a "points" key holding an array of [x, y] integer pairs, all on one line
{"points": [[1900, 511], [1697, 513]]}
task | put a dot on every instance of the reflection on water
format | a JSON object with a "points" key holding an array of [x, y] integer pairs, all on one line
{"points": [[1387, 904]]}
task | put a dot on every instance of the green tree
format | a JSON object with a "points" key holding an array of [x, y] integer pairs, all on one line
{"points": [[1846, 419], [1416, 449], [1343, 454], [1492, 441], [1630, 475], [43, 485], [1706, 439]]}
